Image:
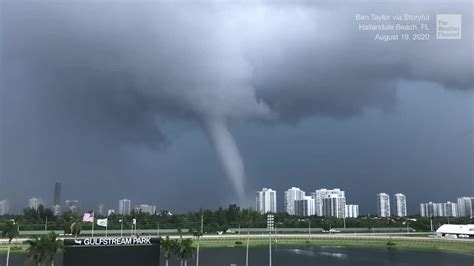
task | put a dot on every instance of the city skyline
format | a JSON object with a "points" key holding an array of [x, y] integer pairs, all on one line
{"points": [[303, 205]]}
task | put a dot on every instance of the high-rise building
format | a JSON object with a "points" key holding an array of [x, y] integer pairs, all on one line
{"points": [[291, 195], [433, 209], [145, 208], [305, 206], [401, 205], [352, 211], [101, 209], [124, 207], [57, 210], [4, 207], [266, 201], [451, 209], [57, 193], [383, 205], [320, 194], [34, 203], [334, 206], [426, 209], [73, 205], [465, 206], [438, 210]]}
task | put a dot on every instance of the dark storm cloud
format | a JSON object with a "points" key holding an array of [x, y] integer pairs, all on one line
{"points": [[114, 73]]}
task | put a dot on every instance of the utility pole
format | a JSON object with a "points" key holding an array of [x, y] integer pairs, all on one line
{"points": [[309, 229], [199, 239], [247, 251]]}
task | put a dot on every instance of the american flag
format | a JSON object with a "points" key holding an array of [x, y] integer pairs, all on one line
{"points": [[88, 217]]}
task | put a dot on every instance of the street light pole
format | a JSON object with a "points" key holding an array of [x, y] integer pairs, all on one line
{"points": [[270, 224], [8, 255], [247, 251]]}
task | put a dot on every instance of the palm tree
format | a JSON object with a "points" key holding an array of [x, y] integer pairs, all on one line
{"points": [[10, 230], [36, 251], [185, 250], [75, 228], [54, 244], [169, 246], [42, 250]]}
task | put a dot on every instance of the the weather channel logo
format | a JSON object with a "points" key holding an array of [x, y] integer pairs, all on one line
{"points": [[448, 26]]}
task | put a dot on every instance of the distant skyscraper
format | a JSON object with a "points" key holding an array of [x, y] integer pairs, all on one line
{"points": [[291, 195], [57, 210], [426, 209], [57, 193], [335, 204], [432, 209], [401, 205], [465, 206], [438, 210], [383, 205], [451, 209], [34, 203], [145, 208], [101, 209], [73, 205], [352, 211], [4, 207], [266, 201], [305, 206], [124, 207]]}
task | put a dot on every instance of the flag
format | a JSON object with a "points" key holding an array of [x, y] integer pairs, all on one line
{"points": [[134, 221], [88, 217], [102, 222]]}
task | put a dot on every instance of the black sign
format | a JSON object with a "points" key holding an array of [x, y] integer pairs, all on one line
{"points": [[112, 241], [117, 251]]}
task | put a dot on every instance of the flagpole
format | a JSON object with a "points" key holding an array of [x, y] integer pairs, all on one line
{"points": [[93, 222], [107, 226], [121, 229]]}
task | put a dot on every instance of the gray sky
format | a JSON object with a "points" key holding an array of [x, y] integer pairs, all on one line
{"points": [[198, 105]]}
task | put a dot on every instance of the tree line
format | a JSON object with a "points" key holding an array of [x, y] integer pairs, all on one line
{"points": [[215, 220]]}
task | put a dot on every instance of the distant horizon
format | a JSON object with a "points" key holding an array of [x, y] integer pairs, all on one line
{"points": [[280, 203]]}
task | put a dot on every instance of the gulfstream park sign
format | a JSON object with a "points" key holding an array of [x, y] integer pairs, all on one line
{"points": [[112, 241], [117, 251]]}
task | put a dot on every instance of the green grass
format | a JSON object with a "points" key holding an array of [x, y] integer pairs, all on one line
{"points": [[14, 249]]}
